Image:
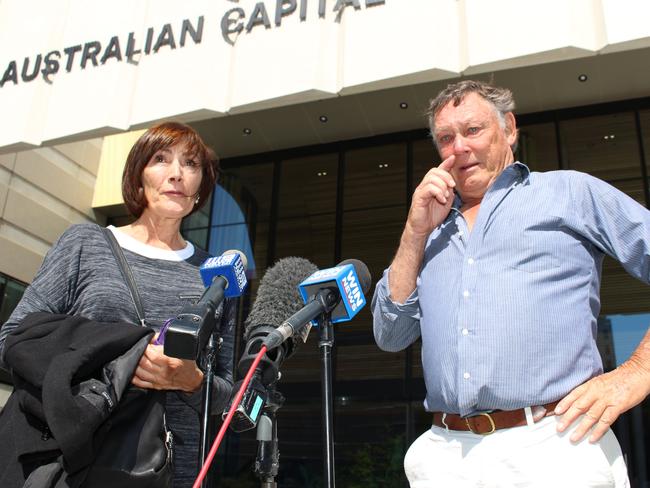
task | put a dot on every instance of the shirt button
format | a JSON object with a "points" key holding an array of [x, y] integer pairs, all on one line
{"points": [[460, 233], [466, 376], [470, 261], [465, 293], [465, 331]]}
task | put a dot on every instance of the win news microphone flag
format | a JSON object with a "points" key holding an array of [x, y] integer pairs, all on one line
{"points": [[188, 333], [339, 290]]}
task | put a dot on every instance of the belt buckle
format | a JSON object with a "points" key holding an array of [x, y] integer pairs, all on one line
{"points": [[494, 428]]}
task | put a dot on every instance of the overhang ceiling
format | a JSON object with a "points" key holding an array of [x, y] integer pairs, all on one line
{"points": [[610, 77]]}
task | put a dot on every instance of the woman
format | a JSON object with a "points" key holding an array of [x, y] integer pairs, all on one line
{"points": [[169, 174]]}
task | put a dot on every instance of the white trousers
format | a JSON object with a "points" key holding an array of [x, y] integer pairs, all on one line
{"points": [[528, 456]]}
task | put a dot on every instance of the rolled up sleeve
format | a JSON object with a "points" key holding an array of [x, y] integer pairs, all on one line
{"points": [[395, 325]]}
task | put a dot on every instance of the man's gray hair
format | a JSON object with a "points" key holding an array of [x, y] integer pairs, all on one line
{"points": [[500, 98]]}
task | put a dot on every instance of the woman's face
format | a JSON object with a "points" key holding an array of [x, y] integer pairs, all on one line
{"points": [[171, 181]]}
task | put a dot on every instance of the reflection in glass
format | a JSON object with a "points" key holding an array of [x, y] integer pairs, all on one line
{"points": [[620, 292], [308, 186], [11, 292], [375, 177], [229, 230], [425, 157], [604, 146], [307, 209], [627, 332], [644, 117], [370, 443], [241, 212], [537, 147]]}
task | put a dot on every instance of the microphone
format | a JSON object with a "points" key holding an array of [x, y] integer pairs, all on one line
{"points": [[277, 297], [339, 290], [188, 333]]}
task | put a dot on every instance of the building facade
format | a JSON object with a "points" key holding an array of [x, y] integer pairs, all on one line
{"points": [[316, 108]]}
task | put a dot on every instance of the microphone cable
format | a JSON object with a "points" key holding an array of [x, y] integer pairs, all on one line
{"points": [[226, 422]]}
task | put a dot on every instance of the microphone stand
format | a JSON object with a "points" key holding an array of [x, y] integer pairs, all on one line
{"points": [[325, 343], [206, 402], [267, 462]]}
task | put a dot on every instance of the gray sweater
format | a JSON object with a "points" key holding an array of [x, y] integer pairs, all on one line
{"points": [[80, 276]]}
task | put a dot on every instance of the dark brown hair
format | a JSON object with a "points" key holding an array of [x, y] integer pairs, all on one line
{"points": [[163, 136]]}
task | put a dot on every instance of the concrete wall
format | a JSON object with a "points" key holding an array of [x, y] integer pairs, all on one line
{"points": [[145, 69], [42, 192]]}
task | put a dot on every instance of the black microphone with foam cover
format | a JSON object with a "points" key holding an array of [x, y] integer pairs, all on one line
{"points": [[278, 297]]}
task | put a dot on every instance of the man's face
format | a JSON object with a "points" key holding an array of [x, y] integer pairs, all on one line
{"points": [[473, 133]]}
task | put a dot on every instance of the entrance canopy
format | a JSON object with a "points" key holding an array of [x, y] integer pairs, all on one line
{"points": [[73, 69]]}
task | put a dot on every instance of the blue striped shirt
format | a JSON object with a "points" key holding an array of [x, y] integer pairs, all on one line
{"points": [[507, 313]]}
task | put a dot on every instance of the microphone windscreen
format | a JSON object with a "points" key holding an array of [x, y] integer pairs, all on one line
{"points": [[278, 296], [363, 273]]}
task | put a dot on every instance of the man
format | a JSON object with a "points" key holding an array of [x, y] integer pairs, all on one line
{"points": [[498, 270]]}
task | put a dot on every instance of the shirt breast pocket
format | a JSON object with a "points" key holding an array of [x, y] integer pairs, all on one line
{"points": [[535, 258]]}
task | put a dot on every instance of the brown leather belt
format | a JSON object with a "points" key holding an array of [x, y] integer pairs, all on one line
{"points": [[488, 422]]}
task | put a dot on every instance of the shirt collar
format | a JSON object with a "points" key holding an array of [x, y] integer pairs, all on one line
{"points": [[515, 173]]}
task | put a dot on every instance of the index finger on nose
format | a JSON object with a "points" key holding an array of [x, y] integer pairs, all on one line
{"points": [[448, 163]]}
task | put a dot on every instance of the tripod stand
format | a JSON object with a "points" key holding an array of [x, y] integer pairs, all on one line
{"points": [[267, 461]]}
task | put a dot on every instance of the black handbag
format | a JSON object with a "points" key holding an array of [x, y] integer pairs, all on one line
{"points": [[137, 448]]}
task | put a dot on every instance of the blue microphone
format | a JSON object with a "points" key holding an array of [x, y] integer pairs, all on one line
{"points": [[338, 291], [227, 271], [188, 333]]}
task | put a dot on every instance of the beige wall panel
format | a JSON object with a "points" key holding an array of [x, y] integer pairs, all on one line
{"points": [[8, 160], [5, 391], [108, 186], [17, 261], [34, 217], [32, 166], [4, 190], [5, 176], [86, 153]]}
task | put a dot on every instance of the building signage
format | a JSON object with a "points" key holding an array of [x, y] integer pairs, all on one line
{"points": [[236, 20], [94, 53], [129, 48]]}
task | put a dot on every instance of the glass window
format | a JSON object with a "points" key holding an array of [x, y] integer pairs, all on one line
{"points": [[195, 226], [621, 293], [307, 209], [11, 292], [304, 366], [371, 236], [370, 443], [241, 211], [306, 228], [644, 116], [618, 336], [378, 403], [366, 361], [537, 147], [626, 332], [200, 218], [375, 177], [605, 146], [308, 186], [425, 157]]}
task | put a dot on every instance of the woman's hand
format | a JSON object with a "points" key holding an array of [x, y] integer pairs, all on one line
{"points": [[159, 372]]}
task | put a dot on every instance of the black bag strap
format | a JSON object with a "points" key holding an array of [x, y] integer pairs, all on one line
{"points": [[126, 272]]}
